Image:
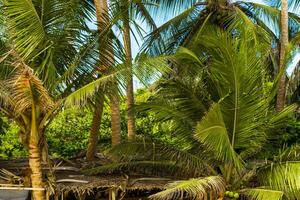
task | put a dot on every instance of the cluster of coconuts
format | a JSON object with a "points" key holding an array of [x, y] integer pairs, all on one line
{"points": [[232, 194]]}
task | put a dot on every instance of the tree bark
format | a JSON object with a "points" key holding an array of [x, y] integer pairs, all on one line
{"points": [[94, 132], [129, 90], [35, 158], [115, 120], [284, 40], [36, 171]]}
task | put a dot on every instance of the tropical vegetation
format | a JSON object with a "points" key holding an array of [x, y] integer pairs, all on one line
{"points": [[209, 98]]}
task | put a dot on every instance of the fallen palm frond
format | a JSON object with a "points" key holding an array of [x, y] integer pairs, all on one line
{"points": [[193, 188]]}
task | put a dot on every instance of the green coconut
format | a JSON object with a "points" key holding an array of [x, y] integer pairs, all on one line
{"points": [[236, 195]]}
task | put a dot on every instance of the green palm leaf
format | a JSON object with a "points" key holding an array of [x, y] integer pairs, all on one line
{"points": [[263, 194], [211, 131], [192, 188], [24, 19], [284, 177]]}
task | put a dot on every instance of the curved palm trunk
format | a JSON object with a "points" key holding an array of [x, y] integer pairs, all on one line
{"points": [[129, 90], [94, 132], [115, 120], [284, 40], [35, 159]]}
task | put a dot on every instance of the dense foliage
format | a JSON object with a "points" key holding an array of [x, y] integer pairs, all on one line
{"points": [[67, 135], [217, 111]]}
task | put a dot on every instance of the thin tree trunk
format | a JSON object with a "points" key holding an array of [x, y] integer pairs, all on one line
{"points": [[129, 90], [35, 159], [102, 18], [101, 9], [115, 120], [94, 132], [284, 40], [114, 99]]}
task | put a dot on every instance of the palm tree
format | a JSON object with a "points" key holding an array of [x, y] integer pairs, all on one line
{"points": [[120, 10], [237, 127], [55, 42], [284, 40], [128, 60], [24, 99], [217, 103], [126, 9], [179, 30]]}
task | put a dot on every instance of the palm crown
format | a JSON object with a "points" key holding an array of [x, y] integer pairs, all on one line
{"points": [[180, 29]]}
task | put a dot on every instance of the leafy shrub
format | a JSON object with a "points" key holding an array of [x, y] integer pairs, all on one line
{"points": [[10, 145]]}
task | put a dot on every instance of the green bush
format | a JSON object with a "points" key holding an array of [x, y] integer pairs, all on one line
{"points": [[10, 146], [68, 133], [292, 133]]}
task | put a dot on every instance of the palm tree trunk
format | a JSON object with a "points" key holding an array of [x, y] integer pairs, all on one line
{"points": [[36, 170], [102, 13], [35, 159], [284, 40], [115, 120], [101, 9], [129, 90], [94, 132]]}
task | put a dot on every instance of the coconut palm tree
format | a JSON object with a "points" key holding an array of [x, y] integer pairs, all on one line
{"points": [[55, 42], [24, 99], [120, 10], [219, 105], [190, 15], [235, 127], [127, 10], [128, 60]]}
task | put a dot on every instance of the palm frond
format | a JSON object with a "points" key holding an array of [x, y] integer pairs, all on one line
{"points": [[163, 7], [263, 194], [282, 176], [142, 13], [81, 95], [280, 119], [197, 164], [294, 83], [238, 84], [26, 88], [149, 69], [169, 35], [289, 154], [211, 131], [153, 168], [193, 188], [23, 19]]}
